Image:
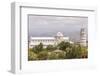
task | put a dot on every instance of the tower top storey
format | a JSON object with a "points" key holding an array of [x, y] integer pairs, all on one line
{"points": [[83, 30]]}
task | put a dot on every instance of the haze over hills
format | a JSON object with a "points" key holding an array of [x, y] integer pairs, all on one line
{"points": [[48, 26]]}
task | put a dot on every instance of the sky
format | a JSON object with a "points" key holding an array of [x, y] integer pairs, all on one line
{"points": [[48, 26]]}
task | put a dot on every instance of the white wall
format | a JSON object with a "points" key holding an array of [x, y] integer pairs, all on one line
{"points": [[5, 28]]}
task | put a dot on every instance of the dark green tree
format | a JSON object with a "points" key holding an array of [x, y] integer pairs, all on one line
{"points": [[50, 48], [77, 51], [63, 45], [52, 56], [43, 55], [31, 55], [39, 47]]}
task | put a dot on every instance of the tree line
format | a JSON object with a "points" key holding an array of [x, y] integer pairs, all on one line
{"points": [[63, 50]]}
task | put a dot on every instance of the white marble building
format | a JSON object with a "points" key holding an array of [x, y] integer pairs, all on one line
{"points": [[56, 39], [48, 40], [83, 37]]}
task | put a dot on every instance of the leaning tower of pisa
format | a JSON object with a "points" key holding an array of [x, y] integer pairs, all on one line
{"points": [[82, 37]]}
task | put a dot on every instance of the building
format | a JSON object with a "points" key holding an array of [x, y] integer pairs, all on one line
{"points": [[83, 41], [48, 40], [56, 39]]}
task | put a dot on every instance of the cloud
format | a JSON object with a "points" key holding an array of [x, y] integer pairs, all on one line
{"points": [[50, 25]]}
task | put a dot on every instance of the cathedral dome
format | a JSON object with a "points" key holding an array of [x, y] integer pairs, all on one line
{"points": [[59, 34]]}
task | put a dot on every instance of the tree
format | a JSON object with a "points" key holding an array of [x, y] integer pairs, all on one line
{"points": [[57, 54], [43, 55], [62, 55], [50, 48], [68, 44], [84, 52], [52, 55], [63, 45], [39, 47], [77, 51], [73, 52], [31, 55]]}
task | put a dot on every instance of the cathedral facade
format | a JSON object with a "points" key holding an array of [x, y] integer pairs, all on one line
{"points": [[48, 40]]}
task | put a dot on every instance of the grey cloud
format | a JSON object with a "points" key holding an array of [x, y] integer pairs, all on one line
{"points": [[49, 25]]}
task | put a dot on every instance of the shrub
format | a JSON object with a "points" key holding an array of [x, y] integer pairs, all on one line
{"points": [[50, 48], [32, 55], [43, 55], [63, 45]]}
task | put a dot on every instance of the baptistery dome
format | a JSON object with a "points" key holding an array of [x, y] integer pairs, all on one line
{"points": [[59, 34]]}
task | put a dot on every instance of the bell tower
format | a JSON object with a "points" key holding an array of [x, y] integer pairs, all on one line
{"points": [[83, 37]]}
